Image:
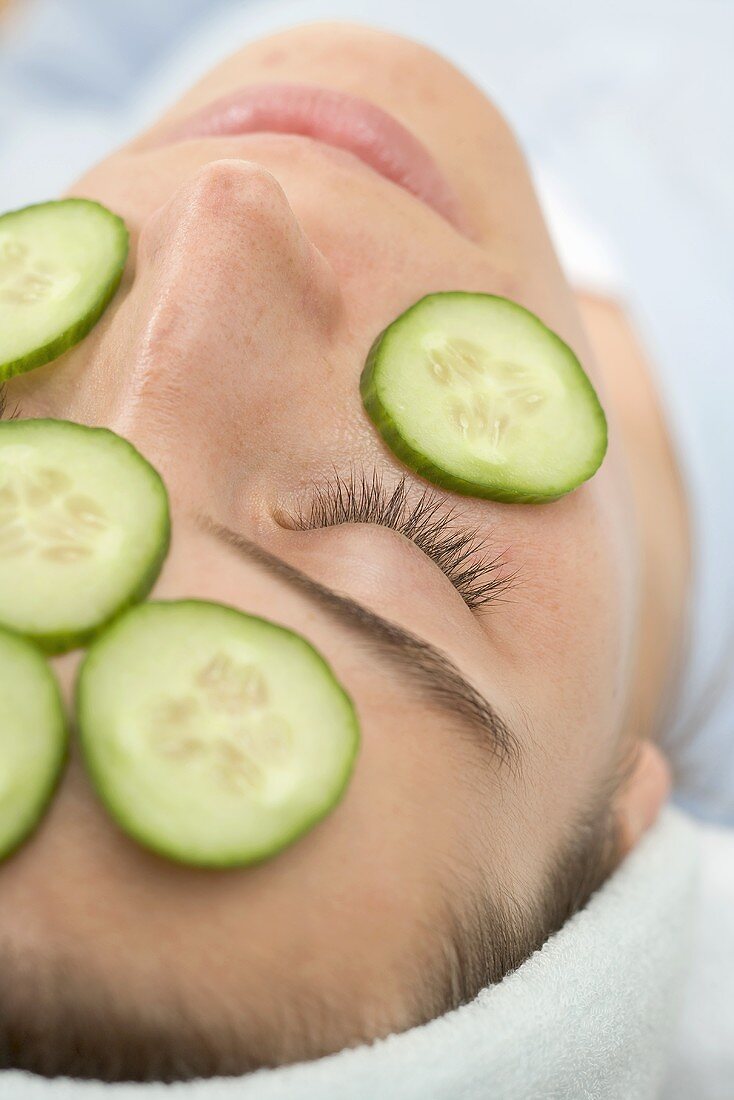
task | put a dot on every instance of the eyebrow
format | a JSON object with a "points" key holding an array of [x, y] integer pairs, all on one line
{"points": [[436, 674]]}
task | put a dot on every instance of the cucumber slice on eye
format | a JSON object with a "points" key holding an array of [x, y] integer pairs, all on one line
{"points": [[60, 264], [84, 529], [213, 737], [33, 739], [476, 395]]}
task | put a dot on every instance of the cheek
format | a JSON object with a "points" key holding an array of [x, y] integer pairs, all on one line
{"points": [[569, 632], [132, 193]]}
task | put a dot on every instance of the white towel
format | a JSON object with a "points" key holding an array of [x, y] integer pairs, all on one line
{"points": [[590, 1015], [702, 1063]]}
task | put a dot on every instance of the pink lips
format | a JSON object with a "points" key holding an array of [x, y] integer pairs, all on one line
{"points": [[337, 119]]}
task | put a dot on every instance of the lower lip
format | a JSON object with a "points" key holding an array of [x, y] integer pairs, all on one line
{"points": [[337, 119]]}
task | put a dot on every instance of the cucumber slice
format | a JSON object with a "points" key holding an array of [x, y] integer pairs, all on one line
{"points": [[33, 739], [214, 738], [84, 529], [60, 264], [476, 395]]}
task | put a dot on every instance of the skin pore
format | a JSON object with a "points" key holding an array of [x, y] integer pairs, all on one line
{"points": [[262, 267]]}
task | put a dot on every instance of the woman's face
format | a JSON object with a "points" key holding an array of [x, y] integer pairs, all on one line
{"points": [[262, 267]]}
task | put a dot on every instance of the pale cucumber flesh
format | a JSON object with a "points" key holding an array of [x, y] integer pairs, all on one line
{"points": [[475, 394], [213, 737], [33, 739], [60, 264], [84, 529]]}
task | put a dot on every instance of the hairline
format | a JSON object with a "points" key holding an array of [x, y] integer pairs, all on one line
{"points": [[58, 1022], [491, 932]]}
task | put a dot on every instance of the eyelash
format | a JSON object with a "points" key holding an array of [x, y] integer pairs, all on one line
{"points": [[425, 519], [7, 413], [458, 551]]}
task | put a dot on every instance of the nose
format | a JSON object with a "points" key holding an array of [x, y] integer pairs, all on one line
{"points": [[231, 309]]}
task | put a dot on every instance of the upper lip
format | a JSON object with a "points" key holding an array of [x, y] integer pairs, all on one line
{"points": [[335, 118]]}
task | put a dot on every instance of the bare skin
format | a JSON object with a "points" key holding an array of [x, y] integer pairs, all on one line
{"points": [[262, 268]]}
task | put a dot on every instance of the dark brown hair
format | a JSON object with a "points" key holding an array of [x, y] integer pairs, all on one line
{"points": [[493, 933], [55, 1020]]}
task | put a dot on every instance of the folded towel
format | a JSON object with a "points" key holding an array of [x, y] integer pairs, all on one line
{"points": [[590, 1015], [702, 1062]]}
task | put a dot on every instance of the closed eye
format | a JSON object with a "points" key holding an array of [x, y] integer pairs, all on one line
{"points": [[423, 517]]}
